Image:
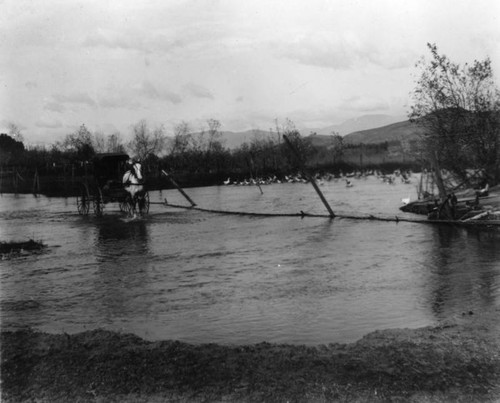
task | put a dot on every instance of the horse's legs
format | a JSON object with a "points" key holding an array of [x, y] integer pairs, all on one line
{"points": [[140, 202], [131, 202], [133, 209], [136, 201]]}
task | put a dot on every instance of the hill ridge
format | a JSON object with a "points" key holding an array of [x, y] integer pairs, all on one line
{"points": [[395, 131]]}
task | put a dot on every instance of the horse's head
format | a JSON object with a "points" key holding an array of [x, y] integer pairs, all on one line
{"points": [[137, 169], [133, 174]]}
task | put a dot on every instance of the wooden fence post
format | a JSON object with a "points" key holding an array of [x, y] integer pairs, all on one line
{"points": [[178, 188], [310, 177], [36, 183]]}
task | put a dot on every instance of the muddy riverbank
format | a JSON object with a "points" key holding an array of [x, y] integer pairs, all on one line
{"points": [[458, 361]]}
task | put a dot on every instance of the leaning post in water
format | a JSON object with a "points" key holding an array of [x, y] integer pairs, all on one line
{"points": [[178, 188], [310, 177], [251, 166]]}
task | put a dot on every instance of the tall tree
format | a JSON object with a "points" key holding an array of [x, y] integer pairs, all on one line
{"points": [[99, 142], [114, 143], [80, 143], [10, 149], [182, 139], [302, 147], [147, 142], [459, 107], [214, 135], [336, 147]]}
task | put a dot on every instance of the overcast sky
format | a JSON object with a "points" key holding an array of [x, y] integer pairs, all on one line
{"points": [[109, 64]]}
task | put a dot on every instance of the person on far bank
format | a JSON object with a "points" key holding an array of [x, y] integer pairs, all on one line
{"points": [[484, 191]]}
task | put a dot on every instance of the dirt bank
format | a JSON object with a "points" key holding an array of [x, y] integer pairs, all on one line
{"points": [[459, 361]]}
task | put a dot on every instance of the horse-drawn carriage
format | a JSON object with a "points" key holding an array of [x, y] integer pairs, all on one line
{"points": [[113, 178]]}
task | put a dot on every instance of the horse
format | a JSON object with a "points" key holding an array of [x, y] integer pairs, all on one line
{"points": [[134, 185]]}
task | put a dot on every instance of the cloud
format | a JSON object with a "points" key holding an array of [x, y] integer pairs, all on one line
{"points": [[324, 50], [151, 91], [113, 40], [107, 128], [74, 98], [117, 100], [393, 58], [48, 123], [54, 107], [343, 52], [138, 41], [134, 97], [364, 104], [30, 85], [198, 91], [323, 114]]}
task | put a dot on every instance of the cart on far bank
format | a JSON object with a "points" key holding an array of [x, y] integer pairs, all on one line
{"points": [[104, 184]]}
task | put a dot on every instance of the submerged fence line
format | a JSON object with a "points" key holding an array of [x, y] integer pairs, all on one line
{"points": [[369, 217], [331, 215]]}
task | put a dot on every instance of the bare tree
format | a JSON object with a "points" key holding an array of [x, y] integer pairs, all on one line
{"points": [[114, 143], [214, 135], [99, 142], [147, 142], [215, 149], [182, 139], [80, 142], [303, 147], [336, 147]]}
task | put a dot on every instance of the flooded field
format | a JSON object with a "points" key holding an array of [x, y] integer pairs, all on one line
{"points": [[202, 277]]}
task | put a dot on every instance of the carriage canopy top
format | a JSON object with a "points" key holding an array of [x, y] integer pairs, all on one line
{"points": [[111, 157], [109, 165]]}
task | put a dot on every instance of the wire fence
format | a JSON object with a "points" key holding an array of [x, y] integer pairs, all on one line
{"points": [[349, 216]]}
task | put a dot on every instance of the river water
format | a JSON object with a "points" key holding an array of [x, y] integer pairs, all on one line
{"points": [[204, 277]]}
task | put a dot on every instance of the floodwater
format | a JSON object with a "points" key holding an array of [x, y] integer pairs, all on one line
{"points": [[203, 277]]}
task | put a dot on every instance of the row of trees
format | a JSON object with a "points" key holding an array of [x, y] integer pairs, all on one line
{"points": [[204, 152], [199, 157], [83, 145]]}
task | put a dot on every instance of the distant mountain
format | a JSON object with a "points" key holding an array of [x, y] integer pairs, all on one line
{"points": [[365, 129], [399, 131], [236, 139], [360, 123], [394, 132]]}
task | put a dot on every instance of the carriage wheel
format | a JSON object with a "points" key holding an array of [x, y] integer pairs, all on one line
{"points": [[83, 201], [143, 203], [98, 203]]}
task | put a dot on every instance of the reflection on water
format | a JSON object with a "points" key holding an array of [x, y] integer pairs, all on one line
{"points": [[120, 238], [212, 278], [465, 267], [121, 250]]}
